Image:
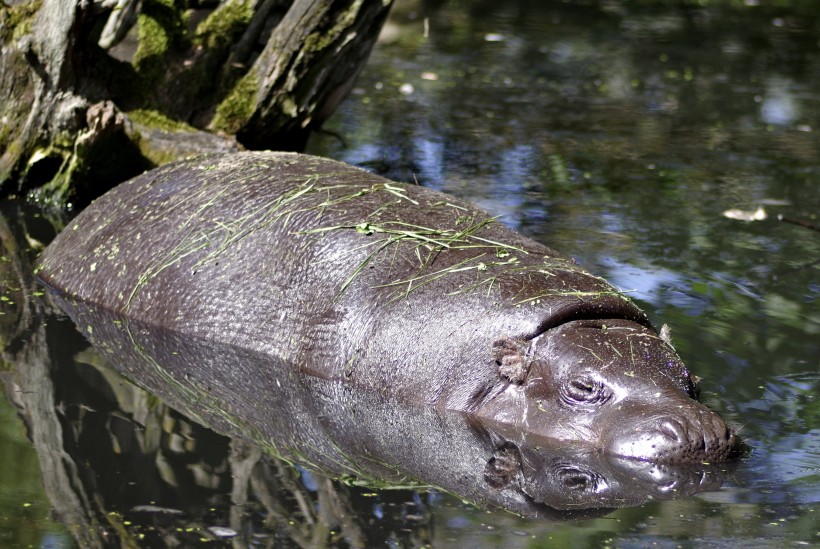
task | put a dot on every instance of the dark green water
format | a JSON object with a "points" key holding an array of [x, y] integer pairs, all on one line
{"points": [[616, 132]]}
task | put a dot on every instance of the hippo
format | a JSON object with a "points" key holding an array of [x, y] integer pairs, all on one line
{"points": [[362, 285], [376, 441]]}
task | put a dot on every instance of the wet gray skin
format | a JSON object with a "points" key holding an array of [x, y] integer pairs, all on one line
{"points": [[598, 381], [378, 439], [388, 289], [571, 478]]}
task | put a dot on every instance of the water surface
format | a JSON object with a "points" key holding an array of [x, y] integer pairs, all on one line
{"points": [[618, 133]]}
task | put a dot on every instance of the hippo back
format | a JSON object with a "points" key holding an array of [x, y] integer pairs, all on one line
{"points": [[343, 274]]}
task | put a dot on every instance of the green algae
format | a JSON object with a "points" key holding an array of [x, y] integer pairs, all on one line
{"points": [[219, 236], [489, 259]]}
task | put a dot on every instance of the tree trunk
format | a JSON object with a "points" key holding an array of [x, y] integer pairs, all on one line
{"points": [[93, 92]]}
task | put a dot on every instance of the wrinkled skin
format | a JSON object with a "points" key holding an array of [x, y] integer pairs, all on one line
{"points": [[380, 287]]}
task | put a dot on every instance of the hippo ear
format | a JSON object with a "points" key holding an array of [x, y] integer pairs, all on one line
{"points": [[512, 360], [695, 381], [666, 335], [690, 381], [503, 467]]}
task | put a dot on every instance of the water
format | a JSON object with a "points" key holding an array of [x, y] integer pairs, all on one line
{"points": [[619, 134]]}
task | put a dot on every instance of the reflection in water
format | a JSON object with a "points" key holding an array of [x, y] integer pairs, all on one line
{"points": [[779, 105], [686, 140], [121, 467], [255, 399]]}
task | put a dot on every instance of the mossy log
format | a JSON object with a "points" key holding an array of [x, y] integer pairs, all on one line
{"points": [[92, 93]]}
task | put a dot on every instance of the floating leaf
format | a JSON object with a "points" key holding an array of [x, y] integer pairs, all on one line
{"points": [[745, 215]]}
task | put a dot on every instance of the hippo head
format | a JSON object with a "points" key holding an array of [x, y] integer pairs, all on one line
{"points": [[614, 385]]}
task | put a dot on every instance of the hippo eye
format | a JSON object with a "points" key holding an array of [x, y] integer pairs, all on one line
{"points": [[584, 390]]}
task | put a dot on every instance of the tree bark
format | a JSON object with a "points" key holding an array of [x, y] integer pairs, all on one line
{"points": [[81, 111]]}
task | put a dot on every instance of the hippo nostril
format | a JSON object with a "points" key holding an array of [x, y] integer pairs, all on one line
{"points": [[578, 482], [684, 438], [728, 435], [672, 430], [719, 435], [579, 479]]}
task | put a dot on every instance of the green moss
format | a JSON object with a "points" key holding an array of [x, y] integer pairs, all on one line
{"points": [[147, 120], [152, 38], [224, 24], [161, 29], [289, 107], [16, 20], [13, 148], [319, 41], [237, 108], [155, 119], [60, 187], [156, 156], [5, 135], [75, 168]]}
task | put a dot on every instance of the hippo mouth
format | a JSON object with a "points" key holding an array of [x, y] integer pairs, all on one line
{"points": [[697, 436]]}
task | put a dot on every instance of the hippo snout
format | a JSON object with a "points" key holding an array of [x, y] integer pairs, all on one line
{"points": [[698, 436]]}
